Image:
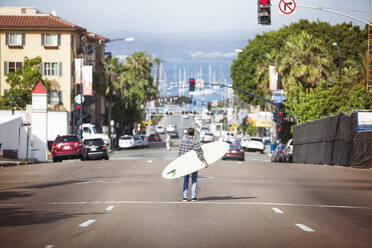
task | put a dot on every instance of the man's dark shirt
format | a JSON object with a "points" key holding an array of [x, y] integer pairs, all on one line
{"points": [[188, 144]]}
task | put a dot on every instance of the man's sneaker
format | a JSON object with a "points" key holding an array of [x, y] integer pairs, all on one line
{"points": [[194, 199], [184, 199]]}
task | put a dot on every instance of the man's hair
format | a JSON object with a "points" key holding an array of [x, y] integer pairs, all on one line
{"points": [[190, 131]]}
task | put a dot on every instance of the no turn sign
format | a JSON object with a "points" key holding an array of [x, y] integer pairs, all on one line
{"points": [[287, 7]]}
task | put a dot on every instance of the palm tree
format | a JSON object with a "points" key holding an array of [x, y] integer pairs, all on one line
{"points": [[157, 63], [143, 64], [112, 69], [304, 59]]}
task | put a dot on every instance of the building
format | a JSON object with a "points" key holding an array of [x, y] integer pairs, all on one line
{"points": [[25, 32]]}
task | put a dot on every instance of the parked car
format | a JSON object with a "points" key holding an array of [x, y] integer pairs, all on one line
{"points": [[288, 152], [160, 129], [126, 141], [171, 128], [145, 141], [208, 137], [236, 151], [278, 154], [244, 143], [68, 147], [138, 142], [96, 148], [229, 137], [154, 137], [255, 144]]}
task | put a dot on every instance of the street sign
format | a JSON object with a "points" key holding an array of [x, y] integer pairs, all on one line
{"points": [[77, 99], [287, 7], [278, 92], [279, 99]]}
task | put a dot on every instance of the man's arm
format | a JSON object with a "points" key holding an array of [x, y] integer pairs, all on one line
{"points": [[199, 152]]}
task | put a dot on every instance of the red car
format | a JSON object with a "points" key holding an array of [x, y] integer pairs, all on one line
{"points": [[68, 147], [154, 137], [236, 151]]}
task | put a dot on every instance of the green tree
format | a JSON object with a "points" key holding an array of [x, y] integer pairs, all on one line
{"points": [[157, 64], [22, 83], [183, 99], [143, 64]]}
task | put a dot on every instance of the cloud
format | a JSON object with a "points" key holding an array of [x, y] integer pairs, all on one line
{"points": [[212, 55]]}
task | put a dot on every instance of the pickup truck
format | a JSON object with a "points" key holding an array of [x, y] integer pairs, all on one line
{"points": [[90, 131]]}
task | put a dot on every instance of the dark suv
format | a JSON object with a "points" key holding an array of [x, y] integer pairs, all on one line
{"points": [[68, 147], [96, 149]]}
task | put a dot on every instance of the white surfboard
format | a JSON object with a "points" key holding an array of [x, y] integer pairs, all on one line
{"points": [[189, 162]]}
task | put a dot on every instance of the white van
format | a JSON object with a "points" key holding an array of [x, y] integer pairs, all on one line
{"points": [[229, 137], [171, 128]]}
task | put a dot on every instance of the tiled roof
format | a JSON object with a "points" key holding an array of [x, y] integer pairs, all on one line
{"points": [[47, 22]]}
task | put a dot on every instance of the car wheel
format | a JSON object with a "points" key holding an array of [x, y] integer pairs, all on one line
{"points": [[106, 158], [55, 160]]}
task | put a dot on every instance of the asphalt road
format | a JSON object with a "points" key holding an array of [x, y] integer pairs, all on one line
{"points": [[126, 203]]}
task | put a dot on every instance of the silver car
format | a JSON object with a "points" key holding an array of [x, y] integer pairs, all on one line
{"points": [[145, 141]]}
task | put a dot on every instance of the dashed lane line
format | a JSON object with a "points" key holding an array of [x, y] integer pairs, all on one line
{"points": [[305, 228], [87, 223], [109, 208], [278, 211]]}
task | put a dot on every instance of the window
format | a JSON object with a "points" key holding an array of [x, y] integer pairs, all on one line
{"points": [[10, 66], [52, 40], [51, 69], [55, 97], [14, 39]]}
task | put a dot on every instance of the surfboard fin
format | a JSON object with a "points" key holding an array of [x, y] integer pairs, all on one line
{"points": [[173, 172]]}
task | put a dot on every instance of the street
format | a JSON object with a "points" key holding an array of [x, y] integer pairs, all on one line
{"points": [[126, 203]]}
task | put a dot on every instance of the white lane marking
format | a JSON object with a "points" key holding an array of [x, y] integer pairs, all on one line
{"points": [[278, 211], [87, 223], [49, 246], [239, 162], [177, 202], [99, 181], [150, 161], [109, 208], [305, 228]]}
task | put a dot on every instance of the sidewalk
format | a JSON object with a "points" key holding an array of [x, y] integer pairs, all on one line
{"points": [[14, 162]]}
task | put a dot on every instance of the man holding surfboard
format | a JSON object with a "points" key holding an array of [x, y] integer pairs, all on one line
{"points": [[189, 143]]}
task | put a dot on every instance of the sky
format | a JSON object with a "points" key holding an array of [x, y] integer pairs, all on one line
{"points": [[176, 16]]}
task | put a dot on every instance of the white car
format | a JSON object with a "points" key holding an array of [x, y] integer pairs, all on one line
{"points": [[288, 152], [255, 144], [126, 141], [138, 142], [229, 137], [160, 129], [208, 137], [244, 143], [171, 128]]}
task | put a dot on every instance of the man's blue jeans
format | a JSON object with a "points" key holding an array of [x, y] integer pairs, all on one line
{"points": [[194, 178]]}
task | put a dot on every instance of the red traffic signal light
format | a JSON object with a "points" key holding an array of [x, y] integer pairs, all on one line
{"points": [[280, 114], [78, 107], [192, 84], [264, 2], [264, 12], [209, 106]]}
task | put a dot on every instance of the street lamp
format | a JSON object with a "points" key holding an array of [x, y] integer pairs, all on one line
{"points": [[81, 76], [339, 60]]}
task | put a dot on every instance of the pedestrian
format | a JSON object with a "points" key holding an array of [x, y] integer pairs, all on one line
{"points": [[168, 142], [189, 143]]}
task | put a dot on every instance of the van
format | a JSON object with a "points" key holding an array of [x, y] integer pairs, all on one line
{"points": [[229, 137]]}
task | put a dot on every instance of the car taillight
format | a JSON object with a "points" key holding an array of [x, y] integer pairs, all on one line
{"points": [[241, 150], [104, 147], [289, 148], [78, 144], [156, 138], [281, 152], [54, 145]]}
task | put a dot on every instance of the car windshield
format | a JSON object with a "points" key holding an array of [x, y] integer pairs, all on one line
{"points": [[137, 138], [72, 138], [256, 139], [94, 142], [235, 146], [126, 137]]}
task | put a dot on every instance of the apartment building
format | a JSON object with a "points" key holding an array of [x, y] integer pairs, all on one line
{"points": [[25, 32]]}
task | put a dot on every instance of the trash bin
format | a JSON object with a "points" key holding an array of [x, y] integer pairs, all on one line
{"points": [[272, 147]]}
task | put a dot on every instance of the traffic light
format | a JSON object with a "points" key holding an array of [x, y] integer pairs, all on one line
{"points": [[192, 84], [209, 106], [264, 12]]}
